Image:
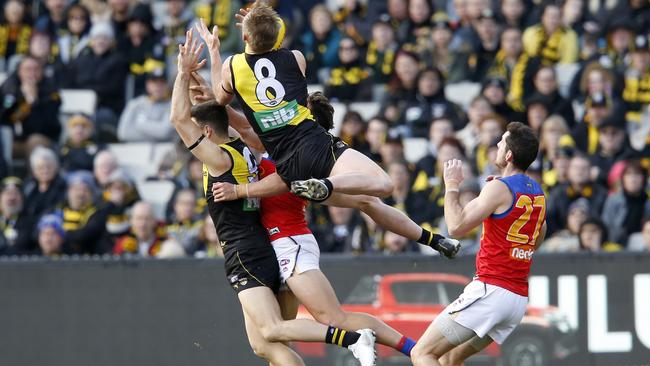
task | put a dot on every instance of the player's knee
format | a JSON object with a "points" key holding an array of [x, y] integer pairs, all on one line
{"points": [[385, 187], [450, 359], [336, 318], [420, 354], [273, 332], [261, 349]]}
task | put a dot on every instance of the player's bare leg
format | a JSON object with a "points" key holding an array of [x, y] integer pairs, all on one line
{"points": [[273, 328], [458, 355], [315, 292], [288, 304], [394, 220], [278, 354], [353, 173], [441, 337]]}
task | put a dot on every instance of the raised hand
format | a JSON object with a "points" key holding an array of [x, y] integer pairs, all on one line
{"points": [[200, 91], [453, 173], [223, 191], [189, 54], [240, 17], [211, 39]]}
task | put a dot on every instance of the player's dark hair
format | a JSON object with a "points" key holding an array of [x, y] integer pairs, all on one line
{"points": [[321, 109], [523, 144], [212, 114]]}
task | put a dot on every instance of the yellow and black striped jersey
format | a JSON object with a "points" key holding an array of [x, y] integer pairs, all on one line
{"points": [[238, 219], [273, 93]]}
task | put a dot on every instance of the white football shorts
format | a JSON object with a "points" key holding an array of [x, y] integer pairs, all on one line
{"points": [[298, 253]]}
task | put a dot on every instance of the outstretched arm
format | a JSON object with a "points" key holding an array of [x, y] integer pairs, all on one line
{"points": [[188, 130], [461, 220], [271, 185], [220, 72]]}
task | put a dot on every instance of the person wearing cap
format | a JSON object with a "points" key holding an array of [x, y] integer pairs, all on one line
{"points": [[495, 89], [46, 189], [579, 185], [15, 226], [620, 40], [222, 14], [30, 107], [550, 40], [142, 49], [51, 236], [79, 150], [14, 32], [473, 63], [380, 54], [83, 223], [146, 118], [636, 92], [624, 210], [102, 70], [613, 146]]}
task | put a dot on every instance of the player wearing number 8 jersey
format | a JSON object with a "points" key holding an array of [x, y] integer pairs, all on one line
{"points": [[269, 82], [512, 209]]}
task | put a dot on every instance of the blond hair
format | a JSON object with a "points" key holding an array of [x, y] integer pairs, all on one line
{"points": [[262, 27]]}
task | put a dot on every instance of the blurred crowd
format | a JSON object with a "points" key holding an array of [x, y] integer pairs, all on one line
{"points": [[63, 191]]}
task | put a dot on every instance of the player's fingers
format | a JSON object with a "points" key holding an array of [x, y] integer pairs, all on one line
{"points": [[201, 64], [215, 32]]}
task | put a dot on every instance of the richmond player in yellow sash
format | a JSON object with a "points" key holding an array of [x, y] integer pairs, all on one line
{"points": [[269, 82]]}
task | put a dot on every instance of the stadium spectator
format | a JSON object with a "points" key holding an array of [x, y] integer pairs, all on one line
{"points": [[77, 33], [79, 150], [640, 242], [420, 12], [593, 237], [402, 86], [598, 107], [43, 48], [414, 204], [513, 14], [104, 165], [468, 190], [141, 49], [30, 107], [553, 134], [54, 21], [375, 136], [495, 90], [320, 43], [550, 40], [393, 148], [82, 222], [14, 32], [624, 210], [51, 236], [490, 129], [222, 14], [210, 244], [399, 12], [619, 41], [101, 69], [596, 80], [119, 15], [509, 55], [46, 189], [381, 51], [175, 22], [468, 134], [473, 63], [190, 175], [352, 20], [185, 228], [430, 103], [437, 53], [394, 244], [350, 81], [119, 195], [613, 146], [146, 236], [345, 232], [353, 129], [637, 78], [545, 83], [15, 226], [439, 129], [538, 109], [579, 185], [146, 118], [566, 239]]}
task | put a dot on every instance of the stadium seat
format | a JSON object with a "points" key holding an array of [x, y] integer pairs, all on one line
{"points": [[159, 151], [565, 74], [7, 136], [314, 88], [3, 77], [157, 193], [367, 110], [135, 158], [415, 148], [462, 93], [339, 112], [78, 101]]}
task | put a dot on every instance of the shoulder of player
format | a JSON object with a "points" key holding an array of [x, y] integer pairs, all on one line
{"points": [[220, 159], [496, 191]]}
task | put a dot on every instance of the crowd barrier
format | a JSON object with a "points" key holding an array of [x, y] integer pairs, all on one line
{"points": [[182, 312]]}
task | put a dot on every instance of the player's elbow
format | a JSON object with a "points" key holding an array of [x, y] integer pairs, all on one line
{"points": [[455, 231]]}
